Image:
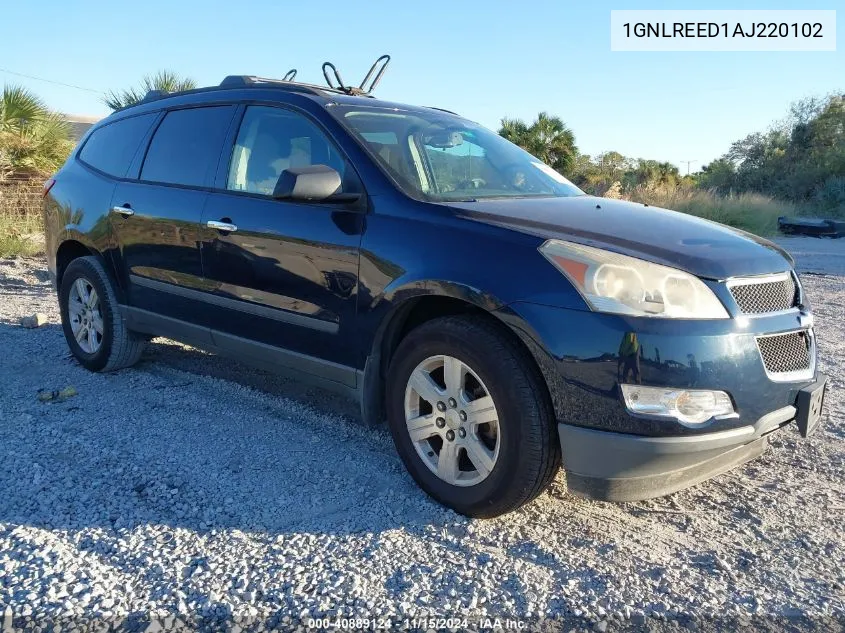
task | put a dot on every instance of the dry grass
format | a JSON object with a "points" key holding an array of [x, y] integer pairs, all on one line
{"points": [[21, 224], [751, 212], [21, 236]]}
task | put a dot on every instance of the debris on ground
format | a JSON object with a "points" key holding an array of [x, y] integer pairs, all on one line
{"points": [[36, 320], [56, 396], [817, 227]]}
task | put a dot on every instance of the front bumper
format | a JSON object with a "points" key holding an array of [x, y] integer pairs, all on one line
{"points": [[623, 467], [611, 454], [580, 355]]}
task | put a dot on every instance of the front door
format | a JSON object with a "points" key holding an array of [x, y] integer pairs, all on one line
{"points": [[156, 218], [284, 273]]}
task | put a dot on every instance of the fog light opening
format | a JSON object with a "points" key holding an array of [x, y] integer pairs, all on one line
{"points": [[691, 407]]}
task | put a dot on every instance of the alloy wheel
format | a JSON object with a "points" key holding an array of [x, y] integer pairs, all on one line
{"points": [[86, 319], [452, 420]]}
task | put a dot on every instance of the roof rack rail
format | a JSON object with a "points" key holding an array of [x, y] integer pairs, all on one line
{"points": [[152, 95], [442, 110], [373, 76], [249, 80]]}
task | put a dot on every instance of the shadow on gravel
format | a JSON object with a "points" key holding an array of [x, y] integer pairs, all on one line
{"points": [[215, 446], [203, 364]]}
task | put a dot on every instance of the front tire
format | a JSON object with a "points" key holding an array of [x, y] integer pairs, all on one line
{"points": [[470, 416], [93, 325]]}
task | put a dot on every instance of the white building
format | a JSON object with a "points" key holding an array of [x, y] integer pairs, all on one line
{"points": [[80, 124]]}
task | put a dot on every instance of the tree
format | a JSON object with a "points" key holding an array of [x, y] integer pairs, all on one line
{"points": [[163, 80], [612, 165], [32, 138], [801, 158], [547, 138], [19, 108], [719, 175]]}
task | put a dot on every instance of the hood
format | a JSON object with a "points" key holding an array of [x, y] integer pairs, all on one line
{"points": [[701, 247]]}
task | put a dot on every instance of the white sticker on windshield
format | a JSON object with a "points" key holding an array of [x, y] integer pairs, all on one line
{"points": [[551, 172]]}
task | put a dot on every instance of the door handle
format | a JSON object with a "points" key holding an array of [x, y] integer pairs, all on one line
{"points": [[228, 227], [124, 211]]}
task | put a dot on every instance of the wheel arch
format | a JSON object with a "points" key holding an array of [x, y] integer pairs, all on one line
{"points": [[67, 251], [419, 308], [75, 246]]}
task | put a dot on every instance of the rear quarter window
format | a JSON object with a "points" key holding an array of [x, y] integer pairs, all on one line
{"points": [[112, 147], [186, 146]]}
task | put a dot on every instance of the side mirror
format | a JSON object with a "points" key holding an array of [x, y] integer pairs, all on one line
{"points": [[315, 182]]}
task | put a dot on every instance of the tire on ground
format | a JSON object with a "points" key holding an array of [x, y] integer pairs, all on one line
{"points": [[529, 452], [120, 347]]}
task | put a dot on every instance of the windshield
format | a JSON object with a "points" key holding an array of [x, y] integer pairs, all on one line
{"points": [[442, 157]]}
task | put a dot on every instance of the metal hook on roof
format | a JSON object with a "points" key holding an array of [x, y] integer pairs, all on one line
{"points": [[386, 60], [289, 75], [338, 83]]}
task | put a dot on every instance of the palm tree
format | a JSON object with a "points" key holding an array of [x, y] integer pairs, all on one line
{"points": [[548, 138], [32, 138], [163, 80]]}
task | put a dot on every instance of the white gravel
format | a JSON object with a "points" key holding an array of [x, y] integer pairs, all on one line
{"points": [[191, 486]]}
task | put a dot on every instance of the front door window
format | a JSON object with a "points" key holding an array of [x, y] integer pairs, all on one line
{"points": [[271, 140]]}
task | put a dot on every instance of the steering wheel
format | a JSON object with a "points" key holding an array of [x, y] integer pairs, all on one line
{"points": [[472, 183], [513, 170]]}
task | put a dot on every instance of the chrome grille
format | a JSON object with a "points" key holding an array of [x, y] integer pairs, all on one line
{"points": [[771, 294], [785, 353]]}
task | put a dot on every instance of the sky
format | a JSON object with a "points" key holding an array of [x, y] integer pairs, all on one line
{"points": [[483, 59]]}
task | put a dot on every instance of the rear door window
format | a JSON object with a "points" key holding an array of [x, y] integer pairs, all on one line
{"points": [[187, 145], [112, 147]]}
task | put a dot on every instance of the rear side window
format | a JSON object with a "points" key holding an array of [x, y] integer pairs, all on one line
{"points": [[186, 146], [112, 147]]}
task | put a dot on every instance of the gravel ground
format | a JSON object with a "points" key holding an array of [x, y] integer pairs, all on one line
{"points": [[816, 255], [193, 487]]}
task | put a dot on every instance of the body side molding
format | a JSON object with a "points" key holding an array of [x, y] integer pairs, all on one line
{"points": [[313, 323], [324, 373]]}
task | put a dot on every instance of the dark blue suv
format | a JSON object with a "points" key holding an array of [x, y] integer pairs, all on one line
{"points": [[502, 321]]}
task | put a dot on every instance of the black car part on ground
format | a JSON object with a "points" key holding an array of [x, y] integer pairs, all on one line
{"points": [[816, 227]]}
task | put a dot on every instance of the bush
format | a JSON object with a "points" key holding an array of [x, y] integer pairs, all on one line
{"points": [[801, 159], [32, 138], [830, 196]]}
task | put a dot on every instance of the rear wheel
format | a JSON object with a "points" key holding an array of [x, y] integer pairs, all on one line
{"points": [[94, 328], [470, 416]]}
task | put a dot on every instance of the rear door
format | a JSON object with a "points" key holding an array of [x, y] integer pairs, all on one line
{"points": [[288, 275], [156, 218], [108, 154]]}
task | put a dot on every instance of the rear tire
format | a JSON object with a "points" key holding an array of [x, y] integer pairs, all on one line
{"points": [[93, 325], [522, 452]]}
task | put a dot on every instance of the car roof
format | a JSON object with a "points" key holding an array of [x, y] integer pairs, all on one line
{"points": [[252, 86]]}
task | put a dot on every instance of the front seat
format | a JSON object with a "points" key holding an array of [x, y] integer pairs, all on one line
{"points": [[266, 162]]}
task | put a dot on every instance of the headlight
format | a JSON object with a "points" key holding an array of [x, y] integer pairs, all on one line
{"points": [[610, 282], [689, 406]]}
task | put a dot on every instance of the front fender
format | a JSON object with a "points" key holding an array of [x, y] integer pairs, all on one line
{"points": [[377, 316], [402, 290], [382, 323]]}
